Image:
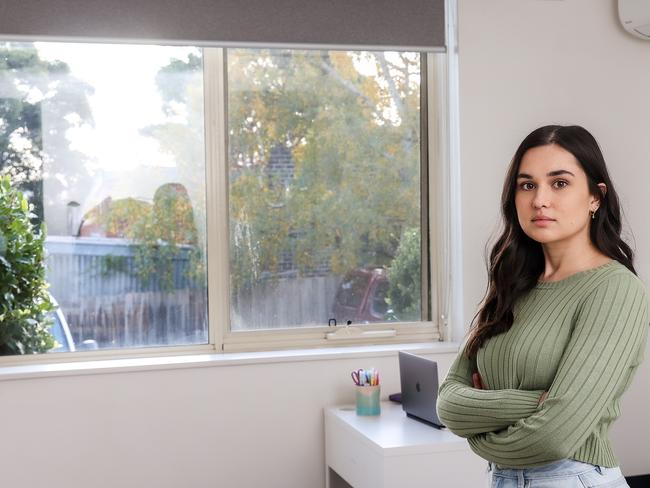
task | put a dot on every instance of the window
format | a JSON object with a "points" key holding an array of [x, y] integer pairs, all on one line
{"points": [[379, 304], [324, 180], [106, 141], [324, 171]]}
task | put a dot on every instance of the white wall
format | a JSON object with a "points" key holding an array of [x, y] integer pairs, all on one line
{"points": [[224, 426], [524, 63]]}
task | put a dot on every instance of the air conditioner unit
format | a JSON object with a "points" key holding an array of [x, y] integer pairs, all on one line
{"points": [[635, 17]]}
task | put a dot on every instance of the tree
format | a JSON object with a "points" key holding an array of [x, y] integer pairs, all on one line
{"points": [[404, 278], [354, 139], [25, 301], [26, 83], [350, 122], [166, 234], [163, 233], [175, 228]]}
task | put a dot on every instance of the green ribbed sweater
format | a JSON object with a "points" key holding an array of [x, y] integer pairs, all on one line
{"points": [[582, 339]]}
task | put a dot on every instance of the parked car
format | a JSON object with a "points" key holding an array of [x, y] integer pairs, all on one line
{"points": [[361, 297], [61, 332]]}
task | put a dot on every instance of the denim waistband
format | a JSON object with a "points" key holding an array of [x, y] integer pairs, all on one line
{"points": [[565, 467]]}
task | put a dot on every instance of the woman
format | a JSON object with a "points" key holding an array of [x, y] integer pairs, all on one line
{"points": [[562, 328]]}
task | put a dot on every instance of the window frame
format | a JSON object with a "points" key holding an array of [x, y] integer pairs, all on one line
{"points": [[434, 212], [438, 182]]}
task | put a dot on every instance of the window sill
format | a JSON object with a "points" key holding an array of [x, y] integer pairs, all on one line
{"points": [[105, 366]]}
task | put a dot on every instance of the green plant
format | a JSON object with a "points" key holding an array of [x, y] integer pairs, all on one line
{"points": [[323, 156], [24, 299], [166, 235], [110, 264], [404, 277]]}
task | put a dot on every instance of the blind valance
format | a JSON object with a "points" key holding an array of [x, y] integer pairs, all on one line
{"points": [[381, 24]]}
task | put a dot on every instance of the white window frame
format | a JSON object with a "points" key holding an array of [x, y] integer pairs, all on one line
{"points": [[435, 156], [442, 185]]}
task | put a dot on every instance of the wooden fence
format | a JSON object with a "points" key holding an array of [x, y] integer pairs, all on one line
{"points": [[94, 280], [103, 299], [286, 302]]}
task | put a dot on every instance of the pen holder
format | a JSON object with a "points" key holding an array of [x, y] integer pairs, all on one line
{"points": [[368, 400]]}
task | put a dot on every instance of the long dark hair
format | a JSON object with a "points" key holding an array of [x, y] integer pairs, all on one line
{"points": [[516, 261]]}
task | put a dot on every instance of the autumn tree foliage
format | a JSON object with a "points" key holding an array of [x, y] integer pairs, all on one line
{"points": [[350, 122]]}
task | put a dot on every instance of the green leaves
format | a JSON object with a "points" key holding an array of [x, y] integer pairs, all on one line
{"points": [[324, 156], [404, 277], [3, 246], [353, 138], [25, 301]]}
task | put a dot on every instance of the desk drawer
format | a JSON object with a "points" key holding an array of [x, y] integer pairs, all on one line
{"points": [[352, 458]]}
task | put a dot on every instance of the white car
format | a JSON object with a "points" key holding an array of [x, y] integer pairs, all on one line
{"points": [[61, 332]]}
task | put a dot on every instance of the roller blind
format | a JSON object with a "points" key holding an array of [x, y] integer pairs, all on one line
{"points": [[384, 24]]}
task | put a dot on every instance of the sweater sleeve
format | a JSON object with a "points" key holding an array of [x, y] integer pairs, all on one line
{"points": [[606, 346], [466, 410]]}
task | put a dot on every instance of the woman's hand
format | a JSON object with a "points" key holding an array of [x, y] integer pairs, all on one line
{"points": [[542, 397], [478, 381]]}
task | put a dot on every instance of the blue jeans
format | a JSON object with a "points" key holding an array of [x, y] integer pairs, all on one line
{"points": [[565, 473]]}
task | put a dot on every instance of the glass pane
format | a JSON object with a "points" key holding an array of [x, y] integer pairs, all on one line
{"points": [[324, 187], [107, 142], [379, 305], [58, 332]]}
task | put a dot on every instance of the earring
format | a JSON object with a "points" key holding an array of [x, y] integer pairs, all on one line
{"points": [[593, 214]]}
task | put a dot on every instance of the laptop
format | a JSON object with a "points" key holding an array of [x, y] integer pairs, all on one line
{"points": [[419, 379]]}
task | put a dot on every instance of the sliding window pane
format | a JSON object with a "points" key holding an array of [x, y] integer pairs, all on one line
{"points": [[324, 160], [107, 142]]}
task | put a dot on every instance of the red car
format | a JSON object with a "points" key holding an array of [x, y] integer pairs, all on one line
{"points": [[361, 297]]}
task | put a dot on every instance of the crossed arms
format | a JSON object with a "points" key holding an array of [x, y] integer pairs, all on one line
{"points": [[512, 427]]}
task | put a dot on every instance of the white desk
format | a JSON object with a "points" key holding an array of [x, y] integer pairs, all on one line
{"points": [[394, 451]]}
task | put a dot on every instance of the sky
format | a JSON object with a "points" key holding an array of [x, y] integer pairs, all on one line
{"points": [[125, 99]]}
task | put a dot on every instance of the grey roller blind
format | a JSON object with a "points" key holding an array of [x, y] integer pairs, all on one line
{"points": [[403, 24]]}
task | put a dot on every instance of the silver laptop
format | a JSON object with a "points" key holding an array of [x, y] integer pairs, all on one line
{"points": [[419, 378]]}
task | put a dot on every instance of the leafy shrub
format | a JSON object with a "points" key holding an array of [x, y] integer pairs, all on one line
{"points": [[404, 277], [24, 299]]}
